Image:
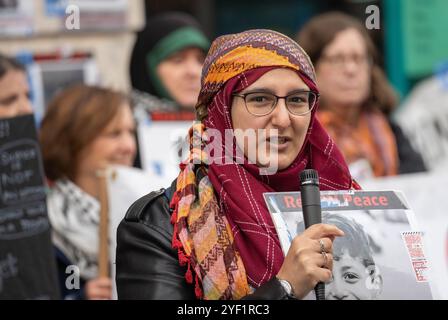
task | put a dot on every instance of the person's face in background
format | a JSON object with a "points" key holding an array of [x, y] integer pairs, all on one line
{"points": [[181, 76], [352, 280], [343, 71], [115, 145], [14, 95], [292, 129]]}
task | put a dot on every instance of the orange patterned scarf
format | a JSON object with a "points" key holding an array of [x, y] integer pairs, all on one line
{"points": [[202, 231], [371, 139]]}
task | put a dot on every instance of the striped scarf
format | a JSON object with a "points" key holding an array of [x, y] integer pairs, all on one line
{"points": [[202, 234]]}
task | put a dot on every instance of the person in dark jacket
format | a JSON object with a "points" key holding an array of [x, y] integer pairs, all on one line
{"points": [[210, 235], [357, 99]]}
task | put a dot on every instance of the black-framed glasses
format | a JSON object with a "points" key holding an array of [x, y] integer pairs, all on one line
{"points": [[298, 103]]}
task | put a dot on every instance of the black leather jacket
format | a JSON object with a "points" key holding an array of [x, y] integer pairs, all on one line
{"points": [[148, 267]]}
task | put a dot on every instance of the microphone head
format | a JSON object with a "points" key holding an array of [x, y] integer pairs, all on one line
{"points": [[309, 176]]}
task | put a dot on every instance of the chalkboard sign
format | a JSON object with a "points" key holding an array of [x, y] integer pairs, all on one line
{"points": [[27, 263]]}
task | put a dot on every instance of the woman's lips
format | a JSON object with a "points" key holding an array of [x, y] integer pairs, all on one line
{"points": [[280, 142], [122, 161], [347, 88]]}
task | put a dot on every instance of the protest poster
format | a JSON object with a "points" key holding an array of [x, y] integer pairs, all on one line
{"points": [[16, 17], [382, 254], [427, 199], [94, 14], [125, 185], [163, 145], [27, 260]]}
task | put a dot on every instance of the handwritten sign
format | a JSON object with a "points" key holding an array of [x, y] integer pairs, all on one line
{"points": [[27, 264]]}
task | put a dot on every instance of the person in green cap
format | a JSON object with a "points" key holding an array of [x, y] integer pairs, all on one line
{"points": [[167, 60]]}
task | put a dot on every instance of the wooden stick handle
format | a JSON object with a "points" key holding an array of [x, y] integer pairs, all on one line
{"points": [[103, 250]]}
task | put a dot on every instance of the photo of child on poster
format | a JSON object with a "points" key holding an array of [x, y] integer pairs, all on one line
{"points": [[376, 259]]}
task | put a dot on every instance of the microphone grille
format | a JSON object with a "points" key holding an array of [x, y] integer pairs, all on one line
{"points": [[309, 176]]}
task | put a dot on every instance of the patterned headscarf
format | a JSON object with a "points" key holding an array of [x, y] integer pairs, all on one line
{"points": [[222, 228]]}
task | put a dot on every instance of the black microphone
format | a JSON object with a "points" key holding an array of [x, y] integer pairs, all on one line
{"points": [[312, 212]]}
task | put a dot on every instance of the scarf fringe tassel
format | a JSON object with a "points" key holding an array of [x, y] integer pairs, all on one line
{"points": [[184, 259]]}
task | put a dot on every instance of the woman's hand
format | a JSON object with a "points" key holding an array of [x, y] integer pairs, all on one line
{"points": [[305, 265], [99, 289]]}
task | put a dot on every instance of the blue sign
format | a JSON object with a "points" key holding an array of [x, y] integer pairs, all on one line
{"points": [[442, 74], [55, 7]]}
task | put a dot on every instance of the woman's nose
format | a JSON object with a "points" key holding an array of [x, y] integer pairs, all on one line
{"points": [[193, 68], [25, 106], [351, 67], [281, 118], [128, 143]]}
